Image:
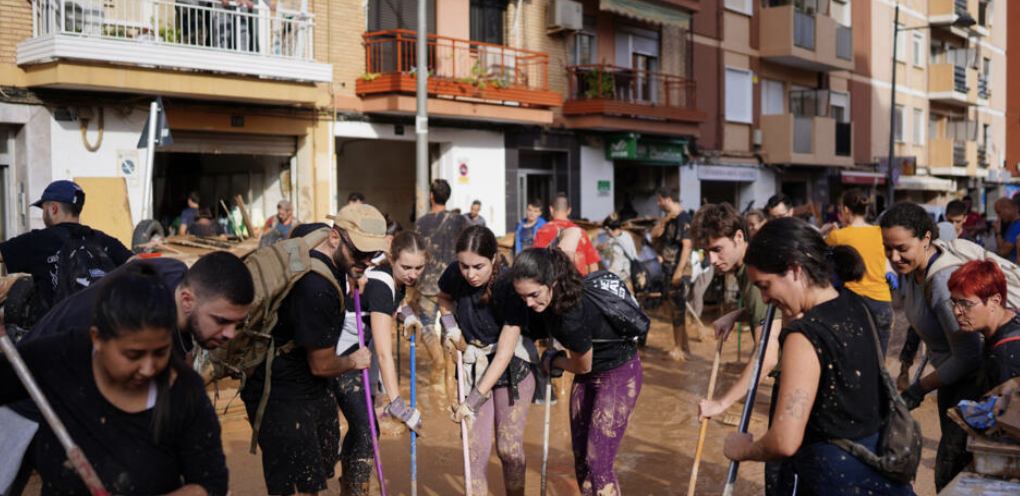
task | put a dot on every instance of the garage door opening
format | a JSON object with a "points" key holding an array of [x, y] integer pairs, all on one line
{"points": [[383, 171], [635, 194]]}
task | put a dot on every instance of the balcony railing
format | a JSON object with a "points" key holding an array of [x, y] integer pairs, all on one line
{"points": [[845, 42], [632, 86], [960, 6], [459, 68], [982, 156], [804, 30], [960, 79], [982, 87], [844, 139], [205, 25]]}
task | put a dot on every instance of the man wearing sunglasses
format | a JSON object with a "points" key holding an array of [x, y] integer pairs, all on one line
{"points": [[300, 430]]}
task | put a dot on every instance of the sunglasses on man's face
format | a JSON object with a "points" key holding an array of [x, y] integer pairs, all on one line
{"points": [[357, 254]]}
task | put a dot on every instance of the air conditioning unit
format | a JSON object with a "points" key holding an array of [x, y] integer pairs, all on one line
{"points": [[565, 15]]}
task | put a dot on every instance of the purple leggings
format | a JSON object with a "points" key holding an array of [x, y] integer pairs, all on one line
{"points": [[508, 418], [600, 406]]}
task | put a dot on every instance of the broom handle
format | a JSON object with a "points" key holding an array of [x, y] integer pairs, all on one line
{"points": [[368, 393], [745, 418], [74, 453], [704, 422]]}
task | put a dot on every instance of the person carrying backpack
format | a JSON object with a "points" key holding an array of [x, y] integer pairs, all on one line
{"points": [[297, 425], [911, 244], [482, 317], [63, 258], [598, 323], [833, 384]]}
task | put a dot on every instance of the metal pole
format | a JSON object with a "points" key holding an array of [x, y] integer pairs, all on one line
{"points": [[414, 436], [421, 120], [891, 188], [150, 157]]}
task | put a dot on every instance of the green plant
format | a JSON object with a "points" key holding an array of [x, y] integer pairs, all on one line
{"points": [[169, 35], [600, 84], [370, 76]]}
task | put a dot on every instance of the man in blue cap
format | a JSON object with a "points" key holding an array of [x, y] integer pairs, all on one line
{"points": [[38, 252]]}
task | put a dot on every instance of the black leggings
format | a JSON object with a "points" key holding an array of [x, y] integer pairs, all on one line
{"points": [[356, 455]]}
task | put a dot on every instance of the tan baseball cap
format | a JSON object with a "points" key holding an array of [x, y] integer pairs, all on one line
{"points": [[364, 224]]}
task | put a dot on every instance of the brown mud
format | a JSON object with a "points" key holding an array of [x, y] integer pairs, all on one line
{"points": [[655, 457]]}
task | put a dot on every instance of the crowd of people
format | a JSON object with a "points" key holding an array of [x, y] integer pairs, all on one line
{"points": [[114, 351]]}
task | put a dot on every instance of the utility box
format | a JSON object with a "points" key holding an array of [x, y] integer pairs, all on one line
{"points": [[565, 15]]}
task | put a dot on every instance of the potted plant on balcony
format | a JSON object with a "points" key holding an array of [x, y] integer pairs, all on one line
{"points": [[599, 84]]}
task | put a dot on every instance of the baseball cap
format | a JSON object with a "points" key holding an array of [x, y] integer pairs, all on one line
{"points": [[365, 226], [64, 192]]}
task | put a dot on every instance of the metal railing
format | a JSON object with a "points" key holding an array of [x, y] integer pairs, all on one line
{"points": [[960, 6], [482, 65], [960, 79], [844, 139], [202, 24], [623, 84], [803, 30], [845, 42], [959, 154], [983, 92], [982, 156]]}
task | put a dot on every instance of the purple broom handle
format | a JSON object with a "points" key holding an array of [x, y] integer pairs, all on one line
{"points": [[368, 393]]}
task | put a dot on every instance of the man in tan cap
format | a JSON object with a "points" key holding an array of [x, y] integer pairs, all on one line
{"points": [[300, 429]]}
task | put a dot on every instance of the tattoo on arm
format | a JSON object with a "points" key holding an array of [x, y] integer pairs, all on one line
{"points": [[796, 405]]}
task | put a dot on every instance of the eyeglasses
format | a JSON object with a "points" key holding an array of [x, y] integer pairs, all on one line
{"points": [[355, 252], [964, 305]]}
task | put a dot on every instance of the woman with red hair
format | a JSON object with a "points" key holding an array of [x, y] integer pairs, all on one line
{"points": [[977, 296]]}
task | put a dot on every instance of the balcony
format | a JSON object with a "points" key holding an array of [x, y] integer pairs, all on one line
{"points": [[946, 11], [953, 84], [982, 157], [806, 140], [145, 34], [811, 41], [610, 97], [466, 78], [982, 87], [953, 157]]}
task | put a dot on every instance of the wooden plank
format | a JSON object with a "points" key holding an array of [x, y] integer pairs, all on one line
{"points": [[106, 207], [244, 215]]}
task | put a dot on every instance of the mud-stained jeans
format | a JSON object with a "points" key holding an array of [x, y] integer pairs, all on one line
{"points": [[356, 456], [952, 455], [600, 407], [507, 418]]}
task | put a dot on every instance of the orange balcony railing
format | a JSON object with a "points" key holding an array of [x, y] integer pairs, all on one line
{"points": [[610, 89], [457, 68]]}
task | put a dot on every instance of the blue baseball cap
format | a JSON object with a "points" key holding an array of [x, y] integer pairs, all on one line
{"points": [[63, 192]]}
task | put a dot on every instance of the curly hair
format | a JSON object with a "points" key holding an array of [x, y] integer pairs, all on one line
{"points": [[552, 268], [716, 220]]}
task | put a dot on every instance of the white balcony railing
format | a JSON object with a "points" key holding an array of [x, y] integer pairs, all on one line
{"points": [[197, 24]]}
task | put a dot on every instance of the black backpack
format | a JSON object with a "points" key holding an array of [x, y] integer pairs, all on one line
{"points": [[81, 262], [608, 292]]}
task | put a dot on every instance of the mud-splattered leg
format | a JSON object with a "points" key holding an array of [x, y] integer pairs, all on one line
{"points": [[480, 445], [356, 457], [511, 418], [610, 398]]}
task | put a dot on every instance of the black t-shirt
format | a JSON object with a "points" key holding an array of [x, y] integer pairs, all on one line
{"points": [[311, 316], [482, 324], [583, 329], [118, 444], [440, 231], [1001, 360], [35, 253], [381, 295], [677, 230], [850, 392]]}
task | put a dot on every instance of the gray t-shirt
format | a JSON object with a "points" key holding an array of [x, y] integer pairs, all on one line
{"points": [[954, 353]]}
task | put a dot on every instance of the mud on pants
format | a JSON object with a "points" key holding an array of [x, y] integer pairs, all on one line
{"points": [[356, 456]]}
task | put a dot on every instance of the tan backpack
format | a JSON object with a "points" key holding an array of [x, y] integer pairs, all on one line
{"points": [[275, 270]]}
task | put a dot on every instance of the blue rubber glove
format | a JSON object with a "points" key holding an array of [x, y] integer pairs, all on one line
{"points": [[893, 279]]}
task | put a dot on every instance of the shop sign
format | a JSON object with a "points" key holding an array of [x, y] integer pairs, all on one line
{"points": [[632, 147], [604, 187], [727, 173]]}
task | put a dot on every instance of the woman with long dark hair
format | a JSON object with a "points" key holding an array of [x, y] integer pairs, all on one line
{"points": [[139, 414], [908, 233], [830, 385], [606, 366], [482, 317]]}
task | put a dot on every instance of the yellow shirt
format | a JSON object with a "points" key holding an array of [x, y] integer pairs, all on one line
{"points": [[868, 242]]}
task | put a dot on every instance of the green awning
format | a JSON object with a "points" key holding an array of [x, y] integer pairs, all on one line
{"points": [[648, 11]]}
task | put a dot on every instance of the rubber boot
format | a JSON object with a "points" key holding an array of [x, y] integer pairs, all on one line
{"points": [[357, 477]]}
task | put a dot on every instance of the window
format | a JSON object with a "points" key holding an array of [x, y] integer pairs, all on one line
{"points": [[583, 49], [897, 124], [901, 45], [771, 97], [918, 126], [839, 104], [739, 96], [842, 12], [487, 21], [742, 6], [917, 49], [933, 126]]}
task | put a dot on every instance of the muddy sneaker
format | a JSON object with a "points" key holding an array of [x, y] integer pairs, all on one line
{"points": [[903, 381], [679, 355]]}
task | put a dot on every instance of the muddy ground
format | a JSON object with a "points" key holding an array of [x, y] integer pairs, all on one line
{"points": [[655, 457]]}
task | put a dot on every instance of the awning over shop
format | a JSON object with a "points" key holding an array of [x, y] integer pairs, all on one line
{"points": [[925, 183], [633, 147], [863, 178], [648, 11]]}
